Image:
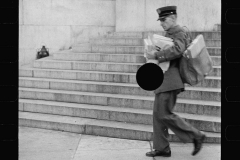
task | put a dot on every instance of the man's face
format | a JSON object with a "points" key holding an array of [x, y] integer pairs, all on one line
{"points": [[167, 23]]}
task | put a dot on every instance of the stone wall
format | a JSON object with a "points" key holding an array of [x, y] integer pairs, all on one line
{"points": [[141, 15], [60, 23]]}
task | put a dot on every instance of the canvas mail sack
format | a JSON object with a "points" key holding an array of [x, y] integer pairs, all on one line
{"points": [[195, 64]]}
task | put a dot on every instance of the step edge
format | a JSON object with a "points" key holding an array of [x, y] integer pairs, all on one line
{"points": [[52, 80], [135, 97], [214, 119], [67, 70], [93, 122], [117, 63]]}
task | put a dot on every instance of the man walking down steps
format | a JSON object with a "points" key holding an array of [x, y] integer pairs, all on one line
{"points": [[166, 94]]}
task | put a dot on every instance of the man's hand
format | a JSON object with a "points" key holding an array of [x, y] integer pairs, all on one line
{"points": [[157, 48], [151, 55]]}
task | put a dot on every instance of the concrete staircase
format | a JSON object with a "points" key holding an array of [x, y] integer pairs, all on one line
{"points": [[92, 89]]}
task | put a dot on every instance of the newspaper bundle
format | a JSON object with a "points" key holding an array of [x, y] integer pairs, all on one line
{"points": [[161, 42]]}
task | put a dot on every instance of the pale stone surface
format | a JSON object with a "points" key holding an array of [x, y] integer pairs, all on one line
{"points": [[82, 48], [118, 41], [69, 12], [55, 74], [37, 108], [39, 144], [29, 54], [33, 84], [130, 15], [60, 24], [135, 15], [96, 127], [217, 27], [26, 55], [64, 97], [20, 12], [183, 151], [25, 73], [126, 34], [31, 38], [205, 123], [24, 94], [119, 101], [53, 64], [93, 147], [100, 66], [20, 106], [50, 36]]}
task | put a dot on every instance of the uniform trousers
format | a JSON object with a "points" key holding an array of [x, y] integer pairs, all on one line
{"points": [[164, 118]]}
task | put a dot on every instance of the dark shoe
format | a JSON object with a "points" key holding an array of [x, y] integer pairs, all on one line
{"points": [[159, 153], [198, 144]]}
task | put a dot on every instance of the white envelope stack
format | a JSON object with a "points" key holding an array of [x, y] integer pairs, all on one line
{"points": [[161, 42]]}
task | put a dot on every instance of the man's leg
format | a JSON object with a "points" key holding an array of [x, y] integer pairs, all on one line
{"points": [[163, 118], [160, 130], [179, 126]]}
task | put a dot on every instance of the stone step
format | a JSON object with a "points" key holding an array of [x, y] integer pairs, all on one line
{"points": [[117, 77], [201, 107], [206, 34], [213, 51], [209, 82], [213, 43], [98, 66], [139, 42], [127, 115], [197, 93], [101, 57], [98, 127]]}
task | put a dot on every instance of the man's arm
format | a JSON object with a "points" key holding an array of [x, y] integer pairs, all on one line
{"points": [[174, 51]]}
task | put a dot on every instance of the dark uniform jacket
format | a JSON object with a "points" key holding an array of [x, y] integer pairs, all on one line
{"points": [[172, 79]]}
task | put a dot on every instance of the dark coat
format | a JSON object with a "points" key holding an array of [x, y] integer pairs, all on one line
{"points": [[172, 79]]}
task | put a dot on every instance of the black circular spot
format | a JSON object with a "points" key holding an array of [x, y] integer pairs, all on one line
{"points": [[149, 76]]}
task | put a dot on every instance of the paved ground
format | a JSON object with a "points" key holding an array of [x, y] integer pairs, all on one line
{"points": [[40, 144]]}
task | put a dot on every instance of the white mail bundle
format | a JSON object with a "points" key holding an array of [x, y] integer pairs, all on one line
{"points": [[161, 42]]}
